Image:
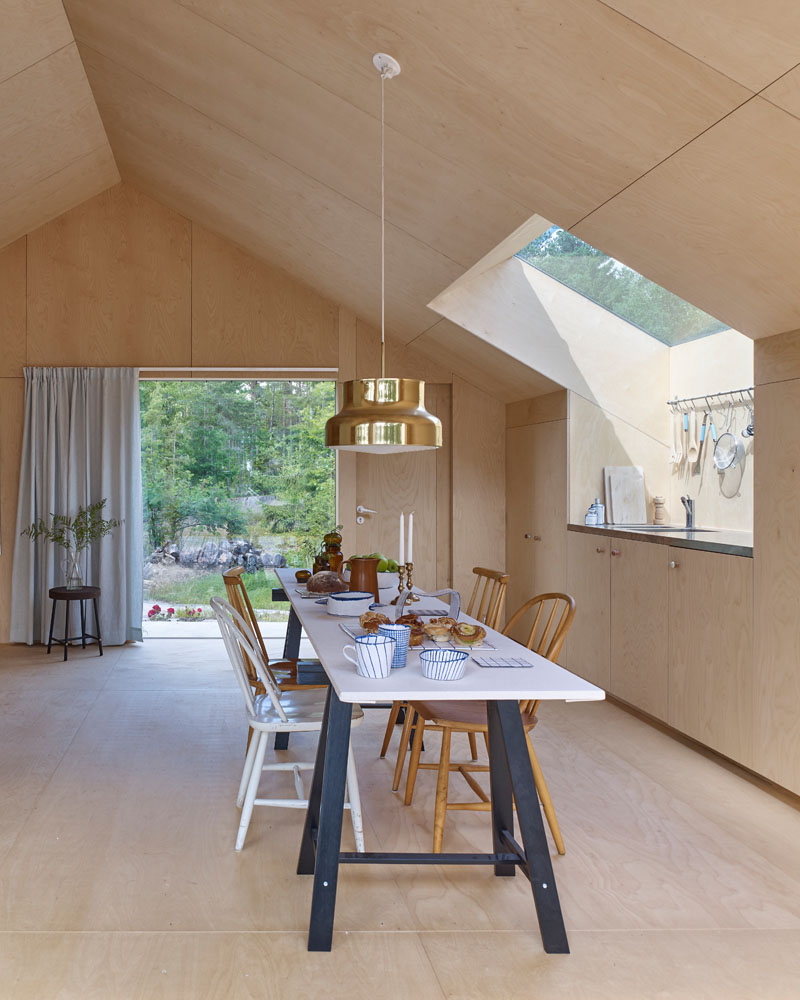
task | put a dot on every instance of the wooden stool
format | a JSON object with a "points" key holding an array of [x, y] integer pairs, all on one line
{"points": [[68, 594]]}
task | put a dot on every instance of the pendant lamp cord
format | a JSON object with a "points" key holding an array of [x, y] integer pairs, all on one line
{"points": [[383, 240]]}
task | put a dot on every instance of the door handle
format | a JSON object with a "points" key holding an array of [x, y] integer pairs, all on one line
{"points": [[364, 510], [673, 564]]}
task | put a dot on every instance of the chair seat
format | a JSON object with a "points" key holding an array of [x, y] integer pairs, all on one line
{"points": [[304, 708], [461, 713]]}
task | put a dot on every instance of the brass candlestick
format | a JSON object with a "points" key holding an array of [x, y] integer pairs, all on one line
{"points": [[401, 571], [409, 573]]}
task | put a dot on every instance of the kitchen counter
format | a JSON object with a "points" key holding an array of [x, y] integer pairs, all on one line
{"points": [[723, 540]]}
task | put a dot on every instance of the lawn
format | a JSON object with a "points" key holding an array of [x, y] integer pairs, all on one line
{"points": [[197, 590]]}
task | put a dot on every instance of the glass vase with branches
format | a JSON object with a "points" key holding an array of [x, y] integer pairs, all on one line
{"points": [[74, 534]]}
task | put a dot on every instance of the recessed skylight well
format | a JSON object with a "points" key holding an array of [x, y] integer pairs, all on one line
{"points": [[618, 288]]}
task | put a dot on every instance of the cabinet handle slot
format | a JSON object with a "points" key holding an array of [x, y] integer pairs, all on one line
{"points": [[616, 552], [599, 550]]}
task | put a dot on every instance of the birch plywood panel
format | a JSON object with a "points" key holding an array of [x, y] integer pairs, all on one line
{"points": [[225, 182], [750, 41], [12, 309], [777, 585], [109, 284], [588, 581], [740, 179], [48, 124], [777, 359], [395, 484], [593, 134], [12, 392], [479, 508], [711, 650], [248, 313], [303, 122], [639, 625], [32, 29]]}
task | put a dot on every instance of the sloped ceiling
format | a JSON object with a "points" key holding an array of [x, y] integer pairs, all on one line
{"points": [[54, 152], [662, 133]]}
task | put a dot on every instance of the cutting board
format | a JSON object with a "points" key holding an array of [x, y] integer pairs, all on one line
{"points": [[626, 489]]}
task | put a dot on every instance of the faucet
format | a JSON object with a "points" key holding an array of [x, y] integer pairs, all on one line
{"points": [[688, 503]]}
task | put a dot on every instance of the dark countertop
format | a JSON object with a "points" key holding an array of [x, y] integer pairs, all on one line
{"points": [[723, 540]]}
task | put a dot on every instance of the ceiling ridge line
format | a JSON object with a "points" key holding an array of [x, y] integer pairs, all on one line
{"points": [[622, 190], [409, 138], [49, 55], [264, 151]]}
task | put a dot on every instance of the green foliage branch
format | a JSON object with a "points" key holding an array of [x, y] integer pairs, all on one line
{"points": [[74, 533]]}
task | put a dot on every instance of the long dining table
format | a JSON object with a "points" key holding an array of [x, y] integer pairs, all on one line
{"points": [[510, 776]]}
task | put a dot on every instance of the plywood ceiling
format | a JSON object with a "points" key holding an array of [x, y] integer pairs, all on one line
{"points": [[627, 120], [55, 153]]}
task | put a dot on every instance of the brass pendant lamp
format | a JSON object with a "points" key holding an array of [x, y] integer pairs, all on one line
{"points": [[383, 415]]}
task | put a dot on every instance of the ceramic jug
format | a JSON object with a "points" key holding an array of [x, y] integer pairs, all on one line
{"points": [[363, 575]]}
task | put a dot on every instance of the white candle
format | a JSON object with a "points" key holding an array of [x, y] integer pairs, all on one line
{"points": [[402, 557], [411, 537]]}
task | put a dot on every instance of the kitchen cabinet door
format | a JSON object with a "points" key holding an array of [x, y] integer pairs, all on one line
{"points": [[588, 641], [639, 625], [711, 650]]}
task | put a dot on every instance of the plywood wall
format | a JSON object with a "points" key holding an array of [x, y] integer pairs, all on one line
{"points": [[598, 438], [478, 483], [776, 558], [122, 280]]}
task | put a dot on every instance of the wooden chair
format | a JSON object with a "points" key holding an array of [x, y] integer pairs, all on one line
{"points": [[275, 711], [488, 596], [284, 672], [486, 605], [552, 617]]}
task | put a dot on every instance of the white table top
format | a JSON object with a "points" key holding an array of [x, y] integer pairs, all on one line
{"points": [[544, 680]]}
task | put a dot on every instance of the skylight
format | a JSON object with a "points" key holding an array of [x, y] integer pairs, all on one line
{"points": [[618, 288]]}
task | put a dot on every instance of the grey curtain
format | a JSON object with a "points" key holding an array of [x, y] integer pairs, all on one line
{"points": [[81, 443]]}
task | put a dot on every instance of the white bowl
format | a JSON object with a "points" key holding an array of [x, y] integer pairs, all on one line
{"points": [[350, 603], [443, 664]]}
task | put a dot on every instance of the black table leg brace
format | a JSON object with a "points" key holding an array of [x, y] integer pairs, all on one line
{"points": [[510, 775]]}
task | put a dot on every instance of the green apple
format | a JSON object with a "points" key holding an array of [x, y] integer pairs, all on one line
{"points": [[391, 566], [383, 566]]}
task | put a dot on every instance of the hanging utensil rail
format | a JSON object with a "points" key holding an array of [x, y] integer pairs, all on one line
{"points": [[736, 397]]}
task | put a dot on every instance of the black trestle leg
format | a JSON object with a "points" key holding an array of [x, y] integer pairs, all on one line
{"points": [[323, 902], [307, 858], [500, 790], [529, 818], [291, 644]]}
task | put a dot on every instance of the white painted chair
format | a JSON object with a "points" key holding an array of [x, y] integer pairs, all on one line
{"points": [[276, 711]]}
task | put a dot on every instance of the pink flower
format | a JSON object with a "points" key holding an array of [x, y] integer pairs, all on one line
{"points": [[200, 610], [150, 613], [156, 608], [170, 611]]}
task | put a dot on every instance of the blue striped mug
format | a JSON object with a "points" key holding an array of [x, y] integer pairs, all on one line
{"points": [[374, 655]]}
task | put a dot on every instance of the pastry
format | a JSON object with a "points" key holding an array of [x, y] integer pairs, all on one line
{"points": [[370, 621], [438, 632], [417, 636], [442, 621], [409, 619], [468, 635]]}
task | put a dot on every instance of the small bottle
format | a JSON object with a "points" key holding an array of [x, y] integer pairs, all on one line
{"points": [[658, 510], [591, 515], [600, 510]]}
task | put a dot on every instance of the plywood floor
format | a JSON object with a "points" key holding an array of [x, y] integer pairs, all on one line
{"points": [[118, 877]]}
